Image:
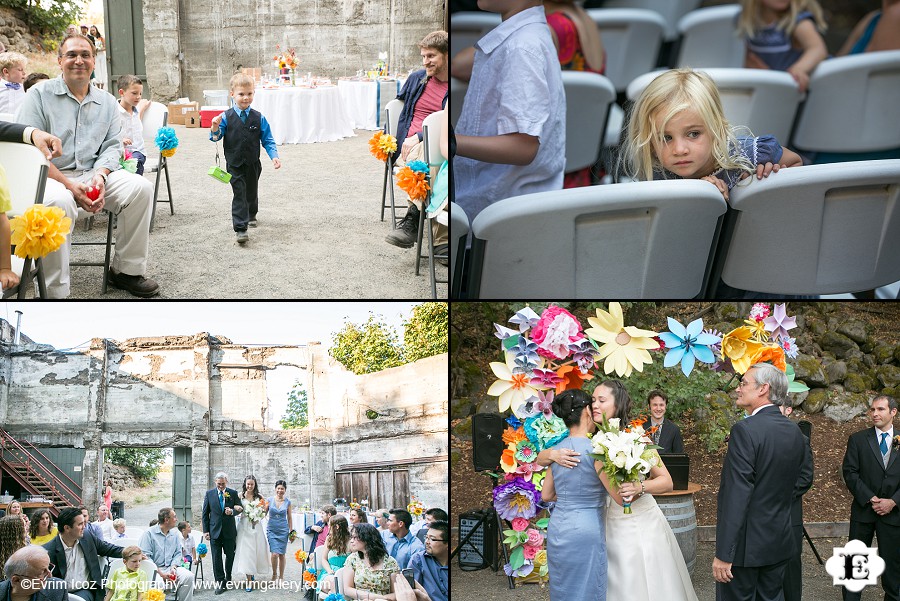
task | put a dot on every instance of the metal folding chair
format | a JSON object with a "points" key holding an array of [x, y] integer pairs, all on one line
{"points": [[156, 116], [391, 121]]}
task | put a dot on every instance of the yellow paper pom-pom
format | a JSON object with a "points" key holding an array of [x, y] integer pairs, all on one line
{"points": [[375, 147], [413, 183], [168, 153], [388, 144], [39, 231], [300, 555], [154, 594]]}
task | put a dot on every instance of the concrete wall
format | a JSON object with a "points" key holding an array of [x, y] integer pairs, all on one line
{"points": [[332, 37], [209, 395]]}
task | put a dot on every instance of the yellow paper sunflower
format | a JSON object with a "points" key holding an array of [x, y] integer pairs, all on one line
{"points": [[39, 231], [388, 144], [739, 346], [413, 183], [624, 347]]}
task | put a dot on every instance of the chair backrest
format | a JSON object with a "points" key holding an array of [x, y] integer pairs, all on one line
{"points": [[709, 39], [588, 98], [636, 240], [125, 542], [820, 229], [26, 172], [457, 96], [764, 101], [670, 10], [338, 583], [466, 28], [631, 38], [431, 136], [852, 105], [392, 117], [459, 225], [156, 116]]}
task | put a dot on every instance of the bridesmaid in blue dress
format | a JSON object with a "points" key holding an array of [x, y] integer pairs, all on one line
{"points": [[280, 524], [576, 541]]}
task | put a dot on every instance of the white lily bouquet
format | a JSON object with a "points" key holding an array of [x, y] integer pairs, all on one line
{"points": [[626, 454], [256, 511]]}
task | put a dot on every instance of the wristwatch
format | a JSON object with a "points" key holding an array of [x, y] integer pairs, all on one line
{"points": [[103, 175]]}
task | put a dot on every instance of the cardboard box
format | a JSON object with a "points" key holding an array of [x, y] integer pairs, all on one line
{"points": [[177, 112], [192, 119]]}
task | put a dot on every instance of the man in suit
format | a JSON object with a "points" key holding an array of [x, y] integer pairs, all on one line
{"points": [[667, 435], [793, 573], [75, 553], [761, 469], [220, 505], [872, 474], [27, 572], [48, 144]]}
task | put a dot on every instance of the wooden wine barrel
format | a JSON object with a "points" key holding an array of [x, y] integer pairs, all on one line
{"points": [[678, 507]]}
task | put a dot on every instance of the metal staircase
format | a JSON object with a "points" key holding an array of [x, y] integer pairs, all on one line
{"points": [[25, 464]]}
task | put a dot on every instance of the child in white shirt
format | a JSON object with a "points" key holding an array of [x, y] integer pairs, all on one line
{"points": [[12, 74], [131, 107]]}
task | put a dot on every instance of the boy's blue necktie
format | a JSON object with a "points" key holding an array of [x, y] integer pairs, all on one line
{"points": [[243, 115]]}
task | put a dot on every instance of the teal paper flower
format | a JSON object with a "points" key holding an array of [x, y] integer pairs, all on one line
{"points": [[526, 451], [545, 431], [420, 166], [687, 344]]}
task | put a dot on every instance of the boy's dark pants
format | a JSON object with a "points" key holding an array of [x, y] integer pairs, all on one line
{"points": [[245, 185], [141, 159]]}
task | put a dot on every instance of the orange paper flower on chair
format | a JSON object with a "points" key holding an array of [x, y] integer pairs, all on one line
{"points": [[413, 183]]}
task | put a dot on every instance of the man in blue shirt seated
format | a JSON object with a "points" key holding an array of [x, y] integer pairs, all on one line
{"points": [[430, 565], [435, 514], [162, 544], [400, 543]]}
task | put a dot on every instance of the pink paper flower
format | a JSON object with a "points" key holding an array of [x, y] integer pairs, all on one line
{"points": [[519, 524], [554, 331], [535, 538], [759, 311], [529, 552]]}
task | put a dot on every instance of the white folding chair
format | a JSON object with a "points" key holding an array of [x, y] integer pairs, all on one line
{"points": [[631, 38], [26, 173], [147, 567], [9, 117], [156, 116], [431, 128], [466, 28], [634, 240], [764, 101], [391, 123], [338, 576], [709, 38], [670, 10], [588, 99], [459, 231], [457, 96], [820, 229], [852, 105]]}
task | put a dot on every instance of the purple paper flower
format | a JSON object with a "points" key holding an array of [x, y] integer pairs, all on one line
{"points": [[524, 570], [525, 318], [545, 403], [779, 323], [545, 378], [584, 353], [516, 499], [502, 332], [528, 409]]}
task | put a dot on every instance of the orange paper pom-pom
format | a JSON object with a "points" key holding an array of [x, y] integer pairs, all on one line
{"points": [[413, 183], [375, 147]]}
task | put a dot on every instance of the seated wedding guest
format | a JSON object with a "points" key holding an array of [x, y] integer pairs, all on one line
{"points": [[91, 164], [188, 546], [435, 514], [104, 522], [127, 582], [75, 554], [400, 543], [12, 536], [34, 78], [876, 31], [430, 567], [367, 573], [667, 435], [26, 574], [12, 74], [43, 530], [358, 516], [119, 527], [14, 508], [90, 526], [319, 530], [162, 544], [331, 556]]}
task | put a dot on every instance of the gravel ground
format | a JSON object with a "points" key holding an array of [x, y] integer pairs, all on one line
{"points": [[319, 234]]}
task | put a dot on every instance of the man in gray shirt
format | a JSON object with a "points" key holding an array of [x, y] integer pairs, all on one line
{"points": [[87, 121]]}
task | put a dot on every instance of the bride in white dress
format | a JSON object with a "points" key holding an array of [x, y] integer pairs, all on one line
{"points": [[252, 550], [644, 560]]}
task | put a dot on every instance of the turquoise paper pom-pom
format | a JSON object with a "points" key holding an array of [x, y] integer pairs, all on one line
{"points": [[166, 138], [420, 166]]}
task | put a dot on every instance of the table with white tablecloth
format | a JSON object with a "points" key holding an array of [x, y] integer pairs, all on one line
{"points": [[365, 100], [304, 115]]}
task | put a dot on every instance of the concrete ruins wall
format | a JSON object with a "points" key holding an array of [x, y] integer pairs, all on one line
{"points": [[215, 38], [205, 393]]}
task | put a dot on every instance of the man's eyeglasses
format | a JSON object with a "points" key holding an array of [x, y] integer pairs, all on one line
{"points": [[46, 571], [73, 55], [434, 540], [743, 383]]}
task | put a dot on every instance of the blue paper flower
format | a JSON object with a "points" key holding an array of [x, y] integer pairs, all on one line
{"points": [[513, 421], [166, 138], [334, 597], [687, 344], [420, 166], [201, 549], [545, 431], [527, 358], [525, 318]]}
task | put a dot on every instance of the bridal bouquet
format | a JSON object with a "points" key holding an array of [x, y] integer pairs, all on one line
{"points": [[256, 511], [626, 454]]}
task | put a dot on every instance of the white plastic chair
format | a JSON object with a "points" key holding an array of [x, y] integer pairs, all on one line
{"points": [[852, 105], [631, 38], [26, 173], [391, 123], [9, 117], [709, 38], [339, 583], [588, 98], [459, 232], [634, 240], [820, 229], [466, 28], [670, 10], [431, 128], [156, 116], [457, 96], [147, 567], [764, 101]]}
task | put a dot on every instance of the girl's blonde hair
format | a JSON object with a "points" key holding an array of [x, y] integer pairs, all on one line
{"points": [[749, 23], [669, 94], [129, 552]]}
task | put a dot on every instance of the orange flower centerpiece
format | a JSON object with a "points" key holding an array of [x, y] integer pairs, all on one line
{"points": [[287, 59]]}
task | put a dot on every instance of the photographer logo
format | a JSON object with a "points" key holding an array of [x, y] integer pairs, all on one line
{"points": [[855, 566]]}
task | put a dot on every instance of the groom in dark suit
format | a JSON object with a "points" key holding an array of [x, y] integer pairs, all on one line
{"points": [[872, 474], [666, 435], [761, 468], [220, 505]]}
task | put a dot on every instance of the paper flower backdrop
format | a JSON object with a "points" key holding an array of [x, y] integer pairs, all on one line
{"points": [[39, 231], [623, 347]]}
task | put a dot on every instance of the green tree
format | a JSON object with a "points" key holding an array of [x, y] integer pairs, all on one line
{"points": [[48, 17], [425, 333], [143, 463], [367, 348], [297, 414]]}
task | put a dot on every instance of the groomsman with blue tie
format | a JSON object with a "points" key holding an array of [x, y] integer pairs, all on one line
{"points": [[872, 474]]}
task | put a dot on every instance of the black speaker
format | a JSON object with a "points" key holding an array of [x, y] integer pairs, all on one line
{"points": [[487, 440], [806, 428], [679, 466], [480, 551]]}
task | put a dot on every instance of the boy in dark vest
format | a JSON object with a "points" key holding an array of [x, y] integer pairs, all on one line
{"points": [[244, 129]]}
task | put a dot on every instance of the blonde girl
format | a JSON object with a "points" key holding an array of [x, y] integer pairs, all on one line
{"points": [[677, 130], [784, 35]]}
